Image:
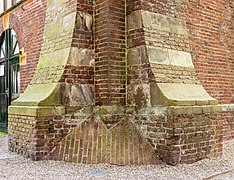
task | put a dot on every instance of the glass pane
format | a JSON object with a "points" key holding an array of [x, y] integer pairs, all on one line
{"points": [[15, 45], [15, 1], [15, 78], [17, 50], [3, 45], [13, 32], [14, 41], [2, 54], [3, 48], [9, 4]]}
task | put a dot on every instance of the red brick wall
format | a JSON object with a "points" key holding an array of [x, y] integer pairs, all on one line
{"points": [[28, 23], [110, 44], [211, 35], [78, 75], [228, 125]]}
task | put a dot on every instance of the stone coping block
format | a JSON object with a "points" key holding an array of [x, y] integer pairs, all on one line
{"points": [[115, 109], [171, 57], [171, 94], [52, 3], [162, 111], [164, 23], [192, 110], [158, 55], [34, 111], [151, 20], [120, 110]]}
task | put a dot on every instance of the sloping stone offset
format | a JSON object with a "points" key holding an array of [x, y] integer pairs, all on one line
{"points": [[46, 84], [170, 94], [167, 94]]}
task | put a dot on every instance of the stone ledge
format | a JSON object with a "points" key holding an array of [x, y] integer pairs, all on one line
{"points": [[160, 111], [36, 110], [104, 110], [227, 107], [191, 110]]}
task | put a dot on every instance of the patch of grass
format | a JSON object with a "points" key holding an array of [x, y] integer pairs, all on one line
{"points": [[3, 133]]}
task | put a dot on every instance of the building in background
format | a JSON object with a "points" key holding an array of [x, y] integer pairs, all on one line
{"points": [[122, 82], [7, 4]]}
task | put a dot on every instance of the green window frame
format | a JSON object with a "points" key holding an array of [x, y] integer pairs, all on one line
{"points": [[9, 74]]}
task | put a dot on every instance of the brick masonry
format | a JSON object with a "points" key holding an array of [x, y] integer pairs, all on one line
{"points": [[211, 45], [110, 50], [227, 121], [183, 138], [23, 136], [91, 142], [99, 62], [34, 137]]}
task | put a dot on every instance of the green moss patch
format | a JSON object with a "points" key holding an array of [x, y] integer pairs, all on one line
{"points": [[4, 133]]}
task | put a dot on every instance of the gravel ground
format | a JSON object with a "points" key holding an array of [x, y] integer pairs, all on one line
{"points": [[13, 167]]}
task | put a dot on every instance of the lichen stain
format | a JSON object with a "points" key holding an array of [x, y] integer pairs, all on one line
{"points": [[140, 98]]}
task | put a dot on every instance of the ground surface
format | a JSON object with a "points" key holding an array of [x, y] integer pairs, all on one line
{"points": [[14, 167]]}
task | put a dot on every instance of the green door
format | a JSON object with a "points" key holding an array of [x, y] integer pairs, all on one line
{"points": [[3, 96], [9, 74]]}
